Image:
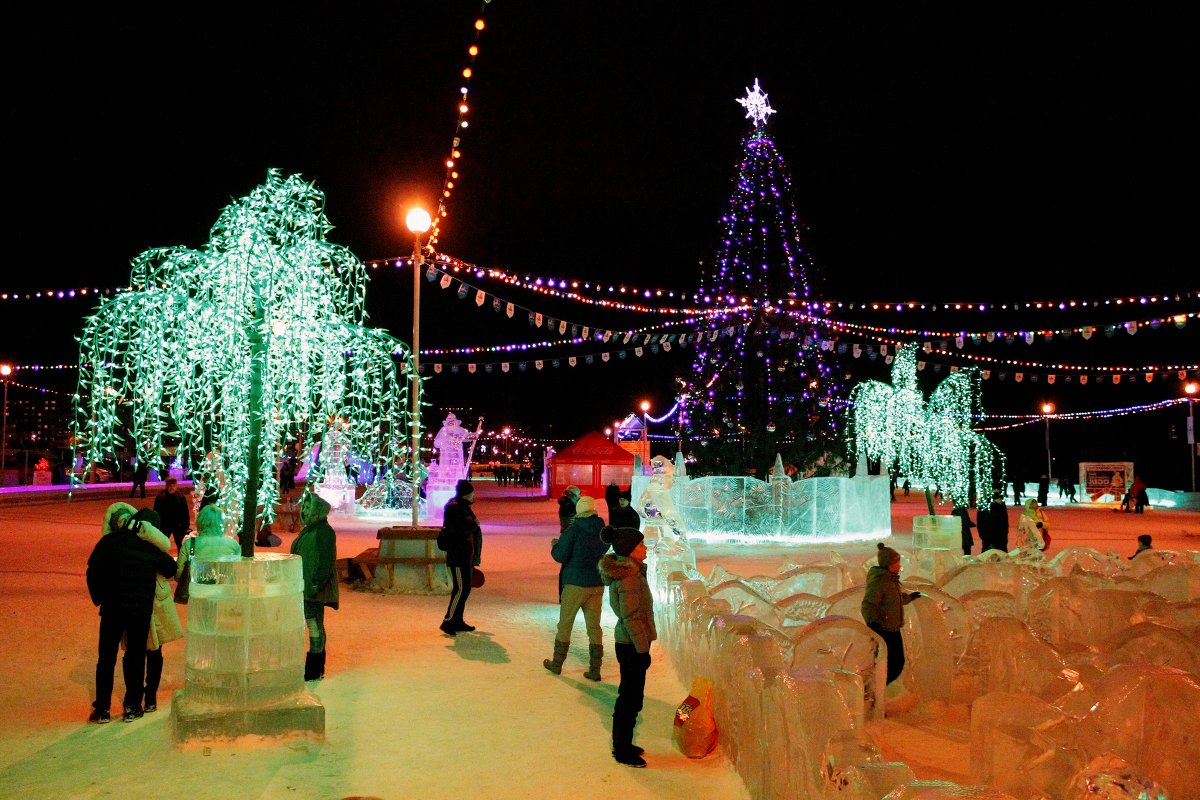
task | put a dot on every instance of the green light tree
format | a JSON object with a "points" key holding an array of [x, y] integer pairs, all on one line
{"points": [[241, 348], [929, 442]]}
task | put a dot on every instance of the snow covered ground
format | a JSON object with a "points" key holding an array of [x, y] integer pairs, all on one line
{"points": [[409, 712]]}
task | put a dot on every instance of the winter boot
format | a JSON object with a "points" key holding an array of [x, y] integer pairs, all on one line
{"points": [[560, 655], [595, 657], [314, 666]]}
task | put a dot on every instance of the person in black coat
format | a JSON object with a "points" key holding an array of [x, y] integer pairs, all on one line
{"points": [[967, 540], [121, 574], [993, 524], [174, 511], [463, 545], [623, 515], [140, 473]]}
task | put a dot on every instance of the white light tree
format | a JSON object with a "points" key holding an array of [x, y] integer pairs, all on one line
{"points": [[930, 442], [238, 349]]}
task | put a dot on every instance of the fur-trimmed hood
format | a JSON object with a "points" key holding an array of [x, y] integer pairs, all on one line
{"points": [[617, 568]]}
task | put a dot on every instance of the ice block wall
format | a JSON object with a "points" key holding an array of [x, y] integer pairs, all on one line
{"points": [[246, 642], [1076, 677]]}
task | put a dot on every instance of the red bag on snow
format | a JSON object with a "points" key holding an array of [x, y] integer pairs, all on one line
{"points": [[695, 729]]}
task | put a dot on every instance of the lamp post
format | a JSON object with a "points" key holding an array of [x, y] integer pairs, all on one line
{"points": [[646, 430], [418, 221], [5, 371], [1047, 410], [1191, 388]]}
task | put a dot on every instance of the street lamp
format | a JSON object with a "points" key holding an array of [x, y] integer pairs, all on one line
{"points": [[1191, 388], [5, 371], [646, 430], [418, 221], [1047, 410]]}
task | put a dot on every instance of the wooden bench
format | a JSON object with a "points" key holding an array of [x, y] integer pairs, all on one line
{"points": [[390, 540]]}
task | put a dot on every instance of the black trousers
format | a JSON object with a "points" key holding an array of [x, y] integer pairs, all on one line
{"points": [[460, 590], [631, 693], [895, 651], [154, 667], [114, 624]]}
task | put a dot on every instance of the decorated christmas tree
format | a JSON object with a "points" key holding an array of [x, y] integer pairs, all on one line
{"points": [[758, 386]]}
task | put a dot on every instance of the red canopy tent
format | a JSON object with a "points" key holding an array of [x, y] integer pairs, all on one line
{"points": [[591, 463]]}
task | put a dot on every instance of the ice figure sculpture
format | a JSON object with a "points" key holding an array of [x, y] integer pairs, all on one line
{"points": [[244, 660], [335, 486], [1141, 714], [1151, 560], [742, 509], [451, 465]]}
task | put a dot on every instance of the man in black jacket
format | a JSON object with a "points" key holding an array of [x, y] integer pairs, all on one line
{"points": [[462, 541], [993, 524], [173, 509], [120, 576]]}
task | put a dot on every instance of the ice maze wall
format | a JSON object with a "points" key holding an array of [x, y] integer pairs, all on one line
{"points": [[742, 509], [1082, 674]]}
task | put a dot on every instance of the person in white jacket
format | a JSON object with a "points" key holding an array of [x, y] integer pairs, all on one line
{"points": [[1032, 528]]}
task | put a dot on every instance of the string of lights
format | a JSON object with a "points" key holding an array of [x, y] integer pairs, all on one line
{"points": [[450, 177], [1028, 336], [61, 294]]}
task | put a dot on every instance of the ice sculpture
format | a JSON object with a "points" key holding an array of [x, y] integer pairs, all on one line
{"points": [[244, 660], [451, 465], [1067, 611], [801, 609], [1011, 659], [1149, 643], [984, 604], [1074, 559], [945, 790], [742, 509], [335, 486], [1145, 715], [1108, 777], [743, 599], [1011, 577], [1017, 745], [1151, 560], [839, 643], [1179, 583], [929, 664]]}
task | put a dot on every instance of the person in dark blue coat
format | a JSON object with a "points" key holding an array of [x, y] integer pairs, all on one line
{"points": [[624, 515], [579, 550], [121, 574]]}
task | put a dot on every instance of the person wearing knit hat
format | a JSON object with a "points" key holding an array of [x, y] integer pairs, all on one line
{"points": [[121, 576], [579, 550], [462, 541], [317, 547], [883, 607], [624, 573], [624, 515]]}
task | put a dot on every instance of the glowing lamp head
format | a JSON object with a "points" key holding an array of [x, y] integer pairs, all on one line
{"points": [[645, 406], [418, 220], [5, 370], [1047, 408], [1191, 387]]}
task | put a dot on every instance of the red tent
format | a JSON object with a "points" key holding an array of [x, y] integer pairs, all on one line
{"points": [[591, 463]]}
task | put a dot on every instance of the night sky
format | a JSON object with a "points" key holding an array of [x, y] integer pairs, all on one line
{"points": [[962, 152]]}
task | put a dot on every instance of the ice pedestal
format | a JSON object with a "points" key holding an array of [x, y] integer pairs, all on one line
{"points": [[244, 660], [937, 545]]}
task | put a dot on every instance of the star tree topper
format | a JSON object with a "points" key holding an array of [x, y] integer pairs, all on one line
{"points": [[755, 103]]}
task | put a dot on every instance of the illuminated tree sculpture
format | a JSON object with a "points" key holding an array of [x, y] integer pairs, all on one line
{"points": [[758, 386], [236, 350], [929, 442]]}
